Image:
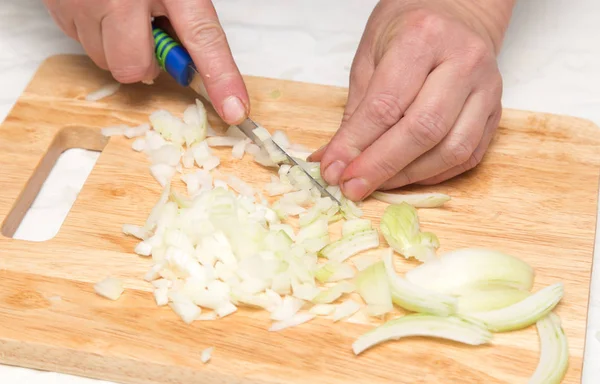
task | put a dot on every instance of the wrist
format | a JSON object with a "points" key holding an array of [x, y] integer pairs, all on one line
{"points": [[491, 16]]}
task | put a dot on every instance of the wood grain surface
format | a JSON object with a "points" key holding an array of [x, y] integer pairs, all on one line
{"points": [[533, 196]]}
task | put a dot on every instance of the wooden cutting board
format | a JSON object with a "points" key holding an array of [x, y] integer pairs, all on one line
{"points": [[533, 196]]}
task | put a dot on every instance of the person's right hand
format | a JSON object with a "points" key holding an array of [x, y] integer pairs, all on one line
{"points": [[117, 35]]}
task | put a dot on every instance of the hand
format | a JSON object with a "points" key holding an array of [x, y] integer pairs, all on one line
{"points": [[117, 35], [424, 96]]}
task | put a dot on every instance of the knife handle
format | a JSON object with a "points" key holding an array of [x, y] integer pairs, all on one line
{"points": [[172, 57]]}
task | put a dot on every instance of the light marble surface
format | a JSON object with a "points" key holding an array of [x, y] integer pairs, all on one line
{"points": [[549, 64]]}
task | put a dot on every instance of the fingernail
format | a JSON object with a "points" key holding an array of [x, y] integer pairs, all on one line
{"points": [[233, 110], [333, 172], [355, 189]]}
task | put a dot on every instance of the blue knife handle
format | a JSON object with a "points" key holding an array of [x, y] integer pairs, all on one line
{"points": [[172, 57]]}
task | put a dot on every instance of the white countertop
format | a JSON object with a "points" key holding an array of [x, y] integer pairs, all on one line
{"points": [[550, 63]]}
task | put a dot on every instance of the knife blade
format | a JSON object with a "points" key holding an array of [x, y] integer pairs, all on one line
{"points": [[177, 62]]}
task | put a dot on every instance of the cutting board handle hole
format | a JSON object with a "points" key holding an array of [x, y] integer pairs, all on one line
{"points": [[54, 185]]}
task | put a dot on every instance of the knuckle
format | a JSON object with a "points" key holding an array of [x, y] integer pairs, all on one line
{"points": [[473, 161], [477, 54], [385, 168], [204, 34], [384, 110], [458, 152], [429, 26], [427, 128]]}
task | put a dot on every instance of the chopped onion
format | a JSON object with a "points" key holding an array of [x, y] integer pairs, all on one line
{"points": [[163, 173], [332, 294], [111, 288], [488, 298], [140, 130], [450, 328], [523, 313], [346, 309], [363, 261], [104, 91], [239, 148], [167, 154], [206, 354], [417, 200], [373, 286], [186, 309], [118, 130], [356, 225], [323, 309], [288, 308], [139, 145], [223, 141], [400, 228], [554, 355], [136, 231], [413, 297], [239, 186], [334, 271], [297, 319], [161, 296], [350, 245], [466, 267]]}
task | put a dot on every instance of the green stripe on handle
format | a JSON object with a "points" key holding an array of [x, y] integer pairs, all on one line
{"points": [[163, 44]]}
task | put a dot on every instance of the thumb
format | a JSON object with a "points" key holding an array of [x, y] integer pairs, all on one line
{"points": [[199, 30], [337, 154]]}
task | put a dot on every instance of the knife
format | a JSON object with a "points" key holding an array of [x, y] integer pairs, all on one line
{"points": [[174, 59]]}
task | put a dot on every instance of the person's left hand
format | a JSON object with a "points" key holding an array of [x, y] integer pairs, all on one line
{"points": [[424, 97]]}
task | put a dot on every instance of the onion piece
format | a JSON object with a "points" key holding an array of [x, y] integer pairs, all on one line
{"points": [[363, 261], [185, 309], [118, 130], [206, 354], [467, 267], [346, 309], [348, 246], [288, 308], [111, 288], [417, 200], [163, 173], [413, 297], [323, 309], [297, 319], [161, 296], [223, 141], [356, 225], [332, 294], [488, 298], [104, 91], [140, 130], [373, 286], [136, 231], [450, 328], [401, 230], [239, 148], [523, 313], [139, 144], [334, 271], [554, 351], [167, 154]]}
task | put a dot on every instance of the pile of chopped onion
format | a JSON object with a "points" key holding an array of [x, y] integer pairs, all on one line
{"points": [[220, 245]]}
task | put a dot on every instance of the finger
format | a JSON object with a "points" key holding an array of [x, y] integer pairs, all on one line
{"points": [[394, 85], [128, 43], [455, 149], [64, 22], [200, 32], [476, 157], [426, 122], [360, 75], [89, 34]]}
